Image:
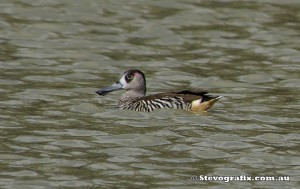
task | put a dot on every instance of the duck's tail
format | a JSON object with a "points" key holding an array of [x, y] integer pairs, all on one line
{"points": [[204, 103]]}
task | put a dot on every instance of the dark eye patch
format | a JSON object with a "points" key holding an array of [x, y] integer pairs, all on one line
{"points": [[129, 77]]}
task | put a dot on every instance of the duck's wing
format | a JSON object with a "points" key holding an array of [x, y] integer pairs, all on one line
{"points": [[188, 96], [199, 101], [191, 96], [187, 92]]}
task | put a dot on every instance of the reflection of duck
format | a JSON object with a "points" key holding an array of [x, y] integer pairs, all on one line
{"points": [[134, 82]]}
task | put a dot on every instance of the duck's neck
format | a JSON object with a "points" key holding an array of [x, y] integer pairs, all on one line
{"points": [[131, 95]]}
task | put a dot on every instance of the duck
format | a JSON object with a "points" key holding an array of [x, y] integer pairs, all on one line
{"points": [[134, 98]]}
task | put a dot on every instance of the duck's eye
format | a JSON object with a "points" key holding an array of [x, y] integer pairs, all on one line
{"points": [[129, 77]]}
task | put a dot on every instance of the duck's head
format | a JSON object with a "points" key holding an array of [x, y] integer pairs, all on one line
{"points": [[131, 80]]}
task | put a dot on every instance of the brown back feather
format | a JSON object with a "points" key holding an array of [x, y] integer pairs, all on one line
{"points": [[188, 96]]}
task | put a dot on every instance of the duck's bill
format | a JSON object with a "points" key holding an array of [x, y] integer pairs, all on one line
{"points": [[108, 89]]}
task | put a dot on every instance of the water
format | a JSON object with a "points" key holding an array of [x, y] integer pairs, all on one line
{"points": [[57, 133]]}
